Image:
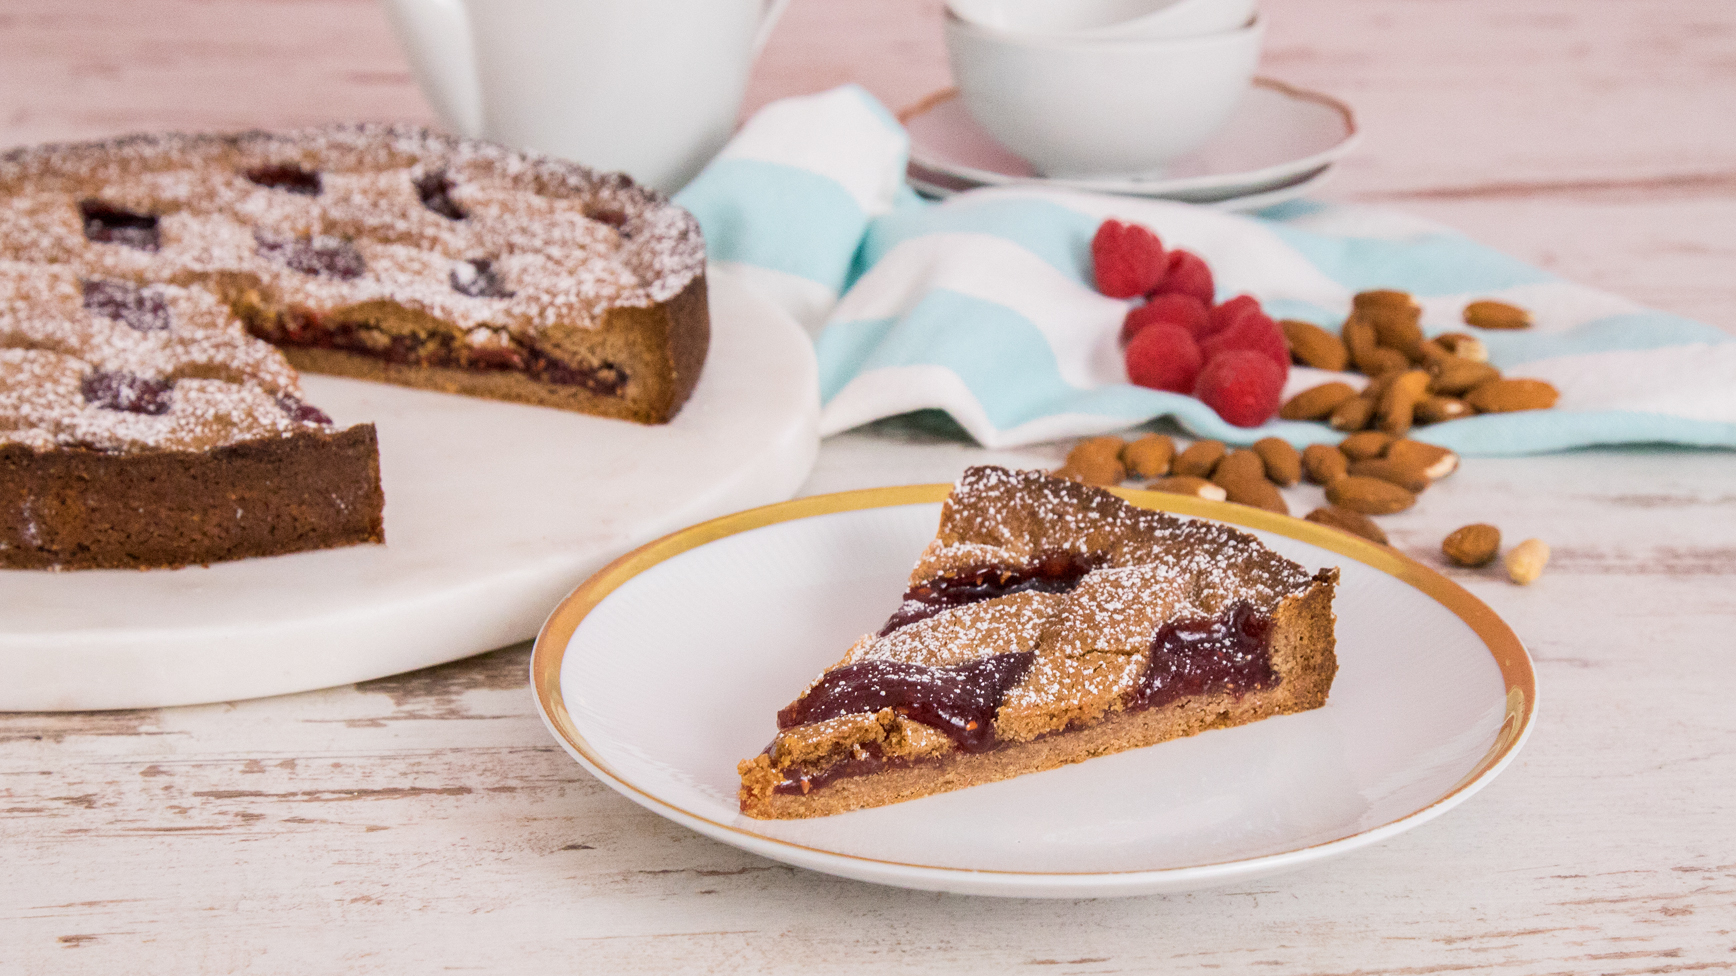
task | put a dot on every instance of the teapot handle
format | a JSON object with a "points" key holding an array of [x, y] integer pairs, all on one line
{"points": [[769, 15], [436, 36]]}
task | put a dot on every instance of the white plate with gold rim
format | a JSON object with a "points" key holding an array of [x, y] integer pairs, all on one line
{"points": [[668, 666]]}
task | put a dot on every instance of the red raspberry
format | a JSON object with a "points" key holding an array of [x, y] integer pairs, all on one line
{"points": [[1128, 260], [1243, 386], [1231, 312], [1163, 356], [1187, 274], [1252, 330], [1182, 310]]}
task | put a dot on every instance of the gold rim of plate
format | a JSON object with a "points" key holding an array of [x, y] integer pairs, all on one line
{"points": [[1517, 676]]}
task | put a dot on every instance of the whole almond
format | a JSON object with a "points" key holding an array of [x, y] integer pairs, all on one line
{"points": [[1313, 346], [1199, 459], [1525, 563], [1181, 484], [1353, 414], [1317, 402], [1355, 523], [1398, 404], [1383, 360], [1472, 545], [1464, 346], [1509, 396], [1324, 463], [1397, 328], [1437, 409], [1254, 492], [1149, 456], [1386, 469], [1358, 335], [1491, 314], [1456, 375], [1096, 461], [1283, 462], [1368, 444], [1435, 462], [1108, 446], [1384, 299], [1370, 496]]}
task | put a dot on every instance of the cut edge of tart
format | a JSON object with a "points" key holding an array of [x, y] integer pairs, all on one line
{"points": [[1047, 623]]}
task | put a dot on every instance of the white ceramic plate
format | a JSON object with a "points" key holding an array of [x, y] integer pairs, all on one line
{"points": [[666, 668], [940, 186], [493, 511], [1278, 135]]}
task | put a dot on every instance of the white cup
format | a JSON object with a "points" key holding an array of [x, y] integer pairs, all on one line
{"points": [[651, 88], [1126, 20]]}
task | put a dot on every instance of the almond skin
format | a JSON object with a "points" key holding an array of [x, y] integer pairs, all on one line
{"points": [[1355, 523], [1455, 376], [1406, 477], [1439, 409], [1370, 496], [1188, 485], [1242, 476], [1491, 314], [1368, 444], [1436, 462], [1509, 396], [1472, 545], [1313, 346], [1324, 463], [1397, 328], [1384, 299], [1283, 462], [1317, 402], [1149, 456], [1382, 361], [1351, 415], [1358, 335], [1095, 461], [1199, 460]]}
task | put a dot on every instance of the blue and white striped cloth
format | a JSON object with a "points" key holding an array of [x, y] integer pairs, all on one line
{"points": [[982, 305]]}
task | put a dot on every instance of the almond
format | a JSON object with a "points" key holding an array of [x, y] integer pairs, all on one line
{"points": [[1317, 402], [1368, 444], [1398, 404], [1383, 360], [1396, 328], [1472, 545], [1437, 409], [1358, 335], [1313, 346], [1370, 496], [1464, 346], [1353, 414], [1491, 314], [1242, 476], [1095, 461], [1149, 456], [1239, 464], [1355, 523], [1188, 485], [1508, 396], [1324, 463], [1283, 462], [1386, 469], [1435, 462], [1200, 458], [1384, 299], [1456, 375], [1525, 563]]}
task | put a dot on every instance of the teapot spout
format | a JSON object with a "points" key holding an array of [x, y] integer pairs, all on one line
{"points": [[435, 34]]}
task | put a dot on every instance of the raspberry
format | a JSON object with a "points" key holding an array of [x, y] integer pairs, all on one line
{"points": [[1242, 385], [1253, 331], [1187, 274], [1181, 310], [1231, 312], [1163, 356], [1127, 259]]}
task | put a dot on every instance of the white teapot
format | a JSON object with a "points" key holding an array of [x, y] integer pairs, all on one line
{"points": [[648, 87]]}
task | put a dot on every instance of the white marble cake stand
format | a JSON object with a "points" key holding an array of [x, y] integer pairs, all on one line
{"points": [[494, 511]]}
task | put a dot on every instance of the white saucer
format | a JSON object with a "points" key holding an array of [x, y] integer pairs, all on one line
{"points": [[493, 511], [1278, 136], [666, 668]]}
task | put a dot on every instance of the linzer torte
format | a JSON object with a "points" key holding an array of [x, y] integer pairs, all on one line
{"points": [[1049, 622], [146, 420]]}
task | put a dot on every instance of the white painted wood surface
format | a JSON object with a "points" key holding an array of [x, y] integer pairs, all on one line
{"points": [[427, 822]]}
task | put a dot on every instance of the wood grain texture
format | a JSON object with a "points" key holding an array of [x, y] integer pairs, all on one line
{"points": [[428, 822]]}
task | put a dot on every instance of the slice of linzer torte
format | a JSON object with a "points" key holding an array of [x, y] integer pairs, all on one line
{"points": [[1049, 622]]}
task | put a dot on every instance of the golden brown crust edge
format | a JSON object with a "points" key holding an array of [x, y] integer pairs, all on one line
{"points": [[1303, 655]]}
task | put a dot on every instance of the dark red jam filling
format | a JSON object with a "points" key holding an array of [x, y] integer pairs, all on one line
{"points": [[1230, 653], [478, 279], [1052, 571], [435, 191], [106, 224], [959, 700], [125, 391], [332, 257], [143, 309], [301, 412], [294, 179], [298, 327]]}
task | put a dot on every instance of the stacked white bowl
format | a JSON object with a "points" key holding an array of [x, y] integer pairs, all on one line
{"points": [[1102, 88]]}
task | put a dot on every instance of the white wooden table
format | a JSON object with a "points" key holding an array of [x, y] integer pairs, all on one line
{"points": [[427, 822]]}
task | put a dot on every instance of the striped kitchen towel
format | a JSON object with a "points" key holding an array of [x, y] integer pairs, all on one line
{"points": [[982, 305]]}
